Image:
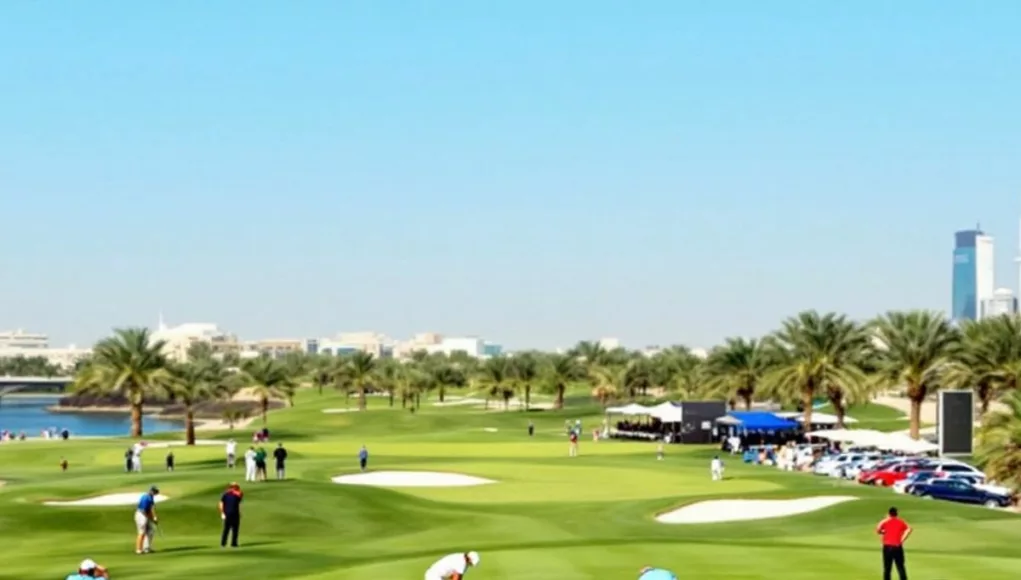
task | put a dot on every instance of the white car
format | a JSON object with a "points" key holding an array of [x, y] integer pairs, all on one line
{"points": [[951, 467], [854, 468], [827, 464]]}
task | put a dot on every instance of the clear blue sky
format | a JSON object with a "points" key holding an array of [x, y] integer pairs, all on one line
{"points": [[535, 172]]}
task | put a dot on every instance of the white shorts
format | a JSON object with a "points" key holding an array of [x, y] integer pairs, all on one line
{"points": [[432, 577], [141, 523]]}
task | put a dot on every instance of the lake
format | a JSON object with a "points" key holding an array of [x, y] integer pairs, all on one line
{"points": [[29, 414]]}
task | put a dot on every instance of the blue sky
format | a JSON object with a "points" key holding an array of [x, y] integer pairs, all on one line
{"points": [[534, 172]]}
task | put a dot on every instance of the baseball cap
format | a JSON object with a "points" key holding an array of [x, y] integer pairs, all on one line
{"points": [[473, 558], [154, 489], [87, 564]]}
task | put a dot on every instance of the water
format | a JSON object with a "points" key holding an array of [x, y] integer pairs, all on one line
{"points": [[29, 414]]}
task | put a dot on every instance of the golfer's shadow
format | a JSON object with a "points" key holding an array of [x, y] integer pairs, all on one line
{"points": [[216, 547], [182, 549]]}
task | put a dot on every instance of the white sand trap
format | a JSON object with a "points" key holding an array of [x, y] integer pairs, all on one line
{"points": [[490, 429], [113, 499], [166, 444], [458, 402], [736, 510], [335, 411], [411, 479]]}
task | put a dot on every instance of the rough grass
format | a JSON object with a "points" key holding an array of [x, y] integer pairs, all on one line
{"points": [[549, 518]]}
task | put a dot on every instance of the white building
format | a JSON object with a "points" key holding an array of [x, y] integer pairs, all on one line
{"points": [[609, 343], [1002, 302], [374, 343], [470, 345], [180, 338], [985, 270], [18, 343]]}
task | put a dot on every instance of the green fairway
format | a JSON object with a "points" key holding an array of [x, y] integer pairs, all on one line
{"points": [[548, 517]]}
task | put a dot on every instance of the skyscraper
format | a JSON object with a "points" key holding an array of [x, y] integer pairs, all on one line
{"points": [[974, 267]]}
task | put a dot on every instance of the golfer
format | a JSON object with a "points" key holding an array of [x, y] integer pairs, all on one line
{"points": [[230, 513], [716, 468], [88, 570], [280, 456], [363, 458], [145, 519], [250, 464], [452, 567], [232, 448], [894, 532], [649, 573]]}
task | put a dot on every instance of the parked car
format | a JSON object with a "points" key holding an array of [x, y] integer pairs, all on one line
{"points": [[906, 485], [980, 482], [960, 491], [949, 466], [853, 468], [828, 463], [888, 474]]}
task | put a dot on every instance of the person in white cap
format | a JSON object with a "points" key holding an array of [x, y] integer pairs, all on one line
{"points": [[452, 567], [88, 569]]}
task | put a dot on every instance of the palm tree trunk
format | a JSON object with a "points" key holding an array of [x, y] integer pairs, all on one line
{"points": [[747, 400], [807, 401], [559, 403], [528, 395], [443, 392], [136, 419], [418, 401], [391, 398], [915, 418], [189, 426], [362, 402], [264, 403]]}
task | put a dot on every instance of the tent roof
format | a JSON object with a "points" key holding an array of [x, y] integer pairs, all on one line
{"points": [[632, 409], [758, 420], [817, 418]]}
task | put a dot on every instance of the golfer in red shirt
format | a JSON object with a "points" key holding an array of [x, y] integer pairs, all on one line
{"points": [[894, 532]]}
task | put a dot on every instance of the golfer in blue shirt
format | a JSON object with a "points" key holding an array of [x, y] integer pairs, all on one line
{"points": [[145, 518], [648, 573], [363, 458]]}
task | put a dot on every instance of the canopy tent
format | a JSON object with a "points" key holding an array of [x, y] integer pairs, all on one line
{"points": [[630, 410], [666, 412], [877, 439], [757, 421], [817, 418]]}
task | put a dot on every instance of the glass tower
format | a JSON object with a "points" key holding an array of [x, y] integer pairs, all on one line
{"points": [[972, 274]]}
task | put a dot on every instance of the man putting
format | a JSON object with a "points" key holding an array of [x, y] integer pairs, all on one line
{"points": [[88, 570], [650, 573], [452, 567], [145, 520], [232, 449], [716, 467]]}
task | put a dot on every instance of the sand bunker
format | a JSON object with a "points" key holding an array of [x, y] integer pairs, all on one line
{"points": [[490, 429], [166, 444], [454, 402], [736, 510], [334, 411], [411, 479], [113, 499]]}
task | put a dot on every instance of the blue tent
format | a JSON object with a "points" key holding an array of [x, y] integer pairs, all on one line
{"points": [[758, 421]]}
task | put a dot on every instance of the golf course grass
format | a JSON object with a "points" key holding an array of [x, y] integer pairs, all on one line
{"points": [[547, 517]]}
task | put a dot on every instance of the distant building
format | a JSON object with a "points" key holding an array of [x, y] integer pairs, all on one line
{"points": [[373, 343], [973, 273], [470, 345], [490, 349], [1002, 302], [18, 343], [609, 343], [179, 339]]}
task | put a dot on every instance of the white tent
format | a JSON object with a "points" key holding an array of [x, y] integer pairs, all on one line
{"points": [[905, 444], [817, 418], [877, 439], [666, 412], [630, 410]]}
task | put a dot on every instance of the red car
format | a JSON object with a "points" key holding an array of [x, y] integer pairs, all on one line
{"points": [[889, 474]]}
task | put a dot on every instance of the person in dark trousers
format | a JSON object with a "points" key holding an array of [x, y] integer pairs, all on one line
{"points": [[531, 429], [230, 513], [170, 461], [280, 455], [894, 532], [128, 460]]}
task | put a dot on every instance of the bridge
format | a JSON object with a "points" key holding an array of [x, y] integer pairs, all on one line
{"points": [[47, 384]]}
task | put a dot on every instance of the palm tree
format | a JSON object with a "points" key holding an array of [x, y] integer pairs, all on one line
{"points": [[321, 373], [234, 415], [129, 364], [736, 368], [266, 379], [608, 382], [495, 376], [679, 372], [524, 370], [999, 443], [192, 383], [915, 351], [559, 371], [989, 360], [361, 375], [815, 354]]}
